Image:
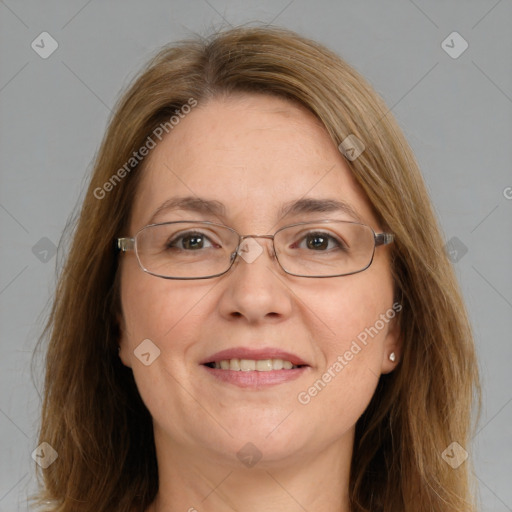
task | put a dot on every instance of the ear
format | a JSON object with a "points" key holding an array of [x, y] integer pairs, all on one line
{"points": [[392, 344], [123, 341]]}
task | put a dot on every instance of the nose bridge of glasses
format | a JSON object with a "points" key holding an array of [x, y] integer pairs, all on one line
{"points": [[243, 237]]}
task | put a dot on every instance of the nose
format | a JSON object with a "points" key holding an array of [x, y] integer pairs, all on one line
{"points": [[255, 286]]}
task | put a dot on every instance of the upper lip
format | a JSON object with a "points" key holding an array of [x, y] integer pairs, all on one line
{"points": [[253, 353]]}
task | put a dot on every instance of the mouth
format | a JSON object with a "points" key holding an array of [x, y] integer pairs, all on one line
{"points": [[254, 368], [251, 365]]}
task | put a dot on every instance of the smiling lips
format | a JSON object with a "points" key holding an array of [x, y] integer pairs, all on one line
{"points": [[247, 367]]}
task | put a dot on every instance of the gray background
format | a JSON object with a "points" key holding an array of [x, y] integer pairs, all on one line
{"points": [[456, 113]]}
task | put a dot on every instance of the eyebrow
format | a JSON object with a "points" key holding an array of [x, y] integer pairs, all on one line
{"points": [[307, 205], [191, 204], [215, 208]]}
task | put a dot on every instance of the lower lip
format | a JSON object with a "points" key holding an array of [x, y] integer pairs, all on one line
{"points": [[254, 378]]}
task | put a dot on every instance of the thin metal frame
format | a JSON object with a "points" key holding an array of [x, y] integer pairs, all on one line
{"points": [[125, 244]]}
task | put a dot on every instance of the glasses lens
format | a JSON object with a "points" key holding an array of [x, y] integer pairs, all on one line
{"points": [[325, 248], [187, 250]]}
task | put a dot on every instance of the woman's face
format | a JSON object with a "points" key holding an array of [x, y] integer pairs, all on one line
{"points": [[254, 154]]}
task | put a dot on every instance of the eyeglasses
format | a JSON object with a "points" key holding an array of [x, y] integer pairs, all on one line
{"points": [[202, 250]]}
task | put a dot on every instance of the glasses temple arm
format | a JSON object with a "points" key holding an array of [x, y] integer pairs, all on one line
{"points": [[383, 238], [125, 244]]}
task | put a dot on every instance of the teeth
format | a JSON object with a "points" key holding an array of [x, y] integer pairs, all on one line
{"points": [[277, 364], [264, 365], [261, 365], [247, 365]]}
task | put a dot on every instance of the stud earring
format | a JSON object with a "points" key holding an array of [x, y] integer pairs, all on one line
{"points": [[392, 357]]}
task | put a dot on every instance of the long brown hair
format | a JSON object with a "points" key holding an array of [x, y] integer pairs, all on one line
{"points": [[92, 413]]}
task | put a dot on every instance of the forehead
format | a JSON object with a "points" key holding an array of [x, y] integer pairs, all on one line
{"points": [[254, 154]]}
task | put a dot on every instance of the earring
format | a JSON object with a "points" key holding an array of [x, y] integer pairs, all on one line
{"points": [[392, 357]]}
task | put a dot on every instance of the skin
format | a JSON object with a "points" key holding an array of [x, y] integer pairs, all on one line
{"points": [[253, 153]]}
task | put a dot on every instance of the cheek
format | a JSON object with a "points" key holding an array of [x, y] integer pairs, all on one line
{"points": [[351, 309], [167, 313], [355, 317], [156, 309]]}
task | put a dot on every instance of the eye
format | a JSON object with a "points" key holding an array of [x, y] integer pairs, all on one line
{"points": [[321, 242], [190, 241]]}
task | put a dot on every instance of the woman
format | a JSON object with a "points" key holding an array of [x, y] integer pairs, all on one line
{"points": [[257, 312]]}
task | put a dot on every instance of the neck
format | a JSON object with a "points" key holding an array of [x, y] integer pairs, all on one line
{"points": [[189, 482]]}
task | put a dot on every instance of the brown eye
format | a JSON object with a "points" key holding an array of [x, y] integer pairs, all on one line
{"points": [[190, 242], [193, 242], [320, 242], [317, 242]]}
